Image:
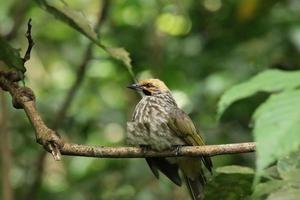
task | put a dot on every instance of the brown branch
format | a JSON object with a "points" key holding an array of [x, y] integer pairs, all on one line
{"points": [[23, 98], [62, 111], [136, 152]]}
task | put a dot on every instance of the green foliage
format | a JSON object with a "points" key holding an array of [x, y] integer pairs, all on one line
{"points": [[77, 21], [262, 190], [276, 129], [73, 18], [199, 48], [11, 56], [230, 183], [286, 185], [124, 56], [268, 81], [276, 121], [234, 169], [289, 167], [277, 124], [287, 194]]}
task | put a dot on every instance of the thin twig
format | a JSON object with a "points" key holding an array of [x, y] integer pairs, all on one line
{"points": [[30, 42]]}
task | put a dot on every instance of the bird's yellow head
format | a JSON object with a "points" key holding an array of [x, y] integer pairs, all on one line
{"points": [[150, 86]]}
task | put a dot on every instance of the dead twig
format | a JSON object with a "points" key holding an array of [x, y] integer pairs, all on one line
{"points": [[30, 42]]}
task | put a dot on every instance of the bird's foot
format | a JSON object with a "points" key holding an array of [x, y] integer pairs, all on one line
{"points": [[145, 148], [177, 149]]}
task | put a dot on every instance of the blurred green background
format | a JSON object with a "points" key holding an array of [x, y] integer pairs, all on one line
{"points": [[199, 48]]}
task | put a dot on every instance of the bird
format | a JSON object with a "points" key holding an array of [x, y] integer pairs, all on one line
{"points": [[159, 124]]}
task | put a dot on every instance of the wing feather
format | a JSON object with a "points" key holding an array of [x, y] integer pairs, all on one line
{"points": [[184, 127]]}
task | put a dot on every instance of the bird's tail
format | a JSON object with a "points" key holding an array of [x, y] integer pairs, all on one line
{"points": [[195, 187], [194, 176]]}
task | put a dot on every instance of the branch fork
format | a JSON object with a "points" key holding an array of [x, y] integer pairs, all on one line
{"points": [[23, 98]]}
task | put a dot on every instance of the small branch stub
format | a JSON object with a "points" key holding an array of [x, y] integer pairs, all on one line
{"points": [[23, 98]]}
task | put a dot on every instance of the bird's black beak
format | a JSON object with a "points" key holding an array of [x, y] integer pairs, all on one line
{"points": [[134, 86]]}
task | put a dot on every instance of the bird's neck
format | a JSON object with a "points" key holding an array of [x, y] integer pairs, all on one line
{"points": [[165, 97]]}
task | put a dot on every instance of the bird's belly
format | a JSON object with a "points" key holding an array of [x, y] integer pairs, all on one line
{"points": [[155, 134]]}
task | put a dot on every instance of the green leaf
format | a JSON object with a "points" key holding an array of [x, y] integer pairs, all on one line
{"points": [[267, 81], [289, 167], [271, 173], [234, 184], [71, 17], [77, 21], [277, 127], [288, 193], [120, 54], [11, 56], [124, 56], [235, 169], [262, 190]]}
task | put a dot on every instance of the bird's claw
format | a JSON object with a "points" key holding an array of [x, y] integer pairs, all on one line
{"points": [[177, 149], [145, 148]]}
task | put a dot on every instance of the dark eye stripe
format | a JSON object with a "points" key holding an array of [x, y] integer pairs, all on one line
{"points": [[148, 85]]}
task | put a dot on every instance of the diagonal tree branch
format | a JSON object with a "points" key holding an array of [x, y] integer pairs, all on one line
{"points": [[23, 98], [62, 111]]}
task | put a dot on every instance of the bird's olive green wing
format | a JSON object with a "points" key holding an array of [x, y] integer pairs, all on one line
{"points": [[184, 127]]}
